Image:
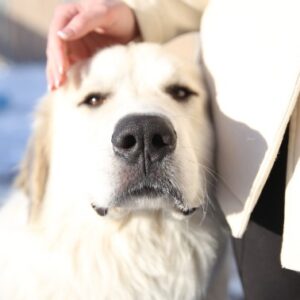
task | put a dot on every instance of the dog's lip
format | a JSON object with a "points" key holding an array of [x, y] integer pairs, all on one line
{"points": [[166, 191], [188, 211], [101, 211]]}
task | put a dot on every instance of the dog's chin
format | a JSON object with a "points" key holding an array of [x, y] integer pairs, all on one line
{"points": [[149, 199], [121, 211]]}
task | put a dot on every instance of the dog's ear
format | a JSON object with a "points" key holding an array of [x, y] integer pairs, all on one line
{"points": [[33, 175], [186, 46]]}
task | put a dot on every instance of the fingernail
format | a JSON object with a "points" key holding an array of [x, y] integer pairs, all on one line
{"points": [[61, 70], [65, 34], [57, 83], [99, 30]]}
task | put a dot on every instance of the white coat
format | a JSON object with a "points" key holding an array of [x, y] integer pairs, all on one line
{"points": [[251, 50]]}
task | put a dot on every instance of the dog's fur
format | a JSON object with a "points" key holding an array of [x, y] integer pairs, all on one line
{"points": [[55, 246]]}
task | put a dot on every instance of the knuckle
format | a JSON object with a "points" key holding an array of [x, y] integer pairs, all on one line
{"points": [[60, 9], [80, 22]]}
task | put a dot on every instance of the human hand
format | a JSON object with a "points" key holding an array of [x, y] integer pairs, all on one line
{"points": [[77, 30]]}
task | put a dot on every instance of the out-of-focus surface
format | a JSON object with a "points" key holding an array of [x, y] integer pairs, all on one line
{"points": [[23, 28], [23, 31], [20, 87]]}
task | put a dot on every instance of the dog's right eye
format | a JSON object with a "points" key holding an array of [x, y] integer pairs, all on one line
{"points": [[179, 92], [94, 99]]}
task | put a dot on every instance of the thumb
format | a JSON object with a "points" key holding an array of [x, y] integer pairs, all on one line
{"points": [[79, 26]]}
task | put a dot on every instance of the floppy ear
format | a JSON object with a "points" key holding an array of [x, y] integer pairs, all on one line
{"points": [[186, 46], [33, 175]]}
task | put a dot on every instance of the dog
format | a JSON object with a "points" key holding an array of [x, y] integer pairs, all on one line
{"points": [[114, 199]]}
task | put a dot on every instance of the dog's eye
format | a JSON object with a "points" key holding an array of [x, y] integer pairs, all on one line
{"points": [[94, 99], [180, 92]]}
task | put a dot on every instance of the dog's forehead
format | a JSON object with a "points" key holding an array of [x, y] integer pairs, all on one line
{"points": [[145, 62]]}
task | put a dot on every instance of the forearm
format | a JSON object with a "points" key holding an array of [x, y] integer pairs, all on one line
{"points": [[161, 20]]}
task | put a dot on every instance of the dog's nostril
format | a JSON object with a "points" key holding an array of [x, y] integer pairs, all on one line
{"points": [[158, 141], [128, 142]]}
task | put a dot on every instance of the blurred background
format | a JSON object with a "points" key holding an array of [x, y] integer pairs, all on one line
{"points": [[23, 29], [23, 32]]}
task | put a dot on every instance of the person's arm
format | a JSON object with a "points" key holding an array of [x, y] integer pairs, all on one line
{"points": [[161, 20]]}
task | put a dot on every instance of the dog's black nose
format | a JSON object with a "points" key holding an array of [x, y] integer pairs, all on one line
{"points": [[144, 138]]}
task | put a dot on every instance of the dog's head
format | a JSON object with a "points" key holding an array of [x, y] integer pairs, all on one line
{"points": [[129, 131]]}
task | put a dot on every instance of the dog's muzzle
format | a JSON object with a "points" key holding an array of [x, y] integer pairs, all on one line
{"points": [[144, 143]]}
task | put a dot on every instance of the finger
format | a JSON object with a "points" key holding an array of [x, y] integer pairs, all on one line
{"points": [[50, 77], [62, 16], [77, 50], [82, 24], [56, 77], [57, 64], [61, 63], [94, 42], [56, 48]]}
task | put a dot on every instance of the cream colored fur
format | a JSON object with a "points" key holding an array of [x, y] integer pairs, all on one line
{"points": [[54, 246]]}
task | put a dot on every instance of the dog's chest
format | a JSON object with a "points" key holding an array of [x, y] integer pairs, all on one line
{"points": [[143, 259]]}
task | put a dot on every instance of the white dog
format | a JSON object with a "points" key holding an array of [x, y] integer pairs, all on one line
{"points": [[112, 200]]}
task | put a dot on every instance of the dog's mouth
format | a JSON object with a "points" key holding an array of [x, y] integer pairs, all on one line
{"points": [[101, 211], [148, 195]]}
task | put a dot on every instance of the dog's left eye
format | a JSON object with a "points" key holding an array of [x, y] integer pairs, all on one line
{"points": [[94, 99], [180, 92]]}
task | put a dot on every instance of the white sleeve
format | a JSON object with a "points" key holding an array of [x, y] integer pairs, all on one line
{"points": [[161, 20]]}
